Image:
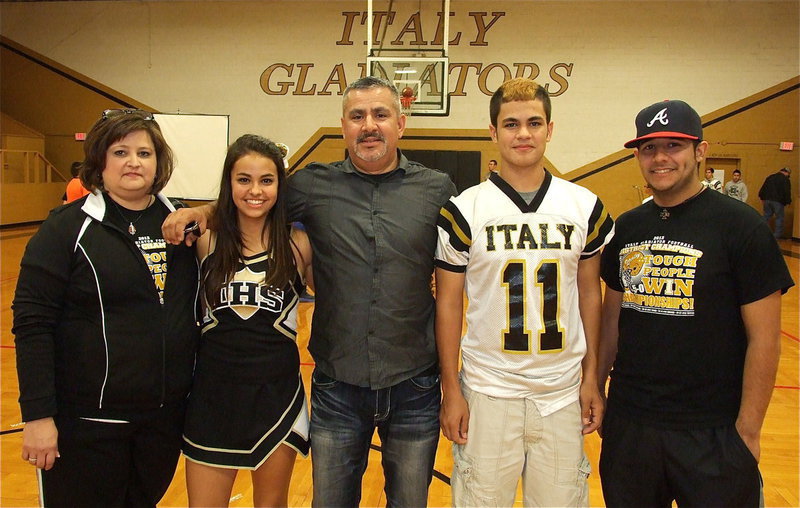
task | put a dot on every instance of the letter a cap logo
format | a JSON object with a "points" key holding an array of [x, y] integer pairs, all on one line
{"points": [[667, 119]]}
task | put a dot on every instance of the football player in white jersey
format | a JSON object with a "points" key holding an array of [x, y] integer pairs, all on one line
{"points": [[524, 245]]}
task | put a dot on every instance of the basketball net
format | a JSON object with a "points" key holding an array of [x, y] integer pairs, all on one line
{"points": [[405, 102]]}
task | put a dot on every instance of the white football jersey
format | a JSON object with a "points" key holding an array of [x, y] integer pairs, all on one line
{"points": [[524, 334]]}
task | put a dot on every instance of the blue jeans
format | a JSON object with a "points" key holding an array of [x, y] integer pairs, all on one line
{"points": [[343, 419], [774, 208]]}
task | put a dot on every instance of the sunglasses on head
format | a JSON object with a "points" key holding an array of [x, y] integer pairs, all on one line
{"points": [[112, 113]]}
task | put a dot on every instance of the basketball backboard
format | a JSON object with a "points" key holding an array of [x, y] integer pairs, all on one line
{"points": [[421, 81]]}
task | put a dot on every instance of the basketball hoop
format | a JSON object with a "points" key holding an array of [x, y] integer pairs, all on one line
{"points": [[420, 74]]}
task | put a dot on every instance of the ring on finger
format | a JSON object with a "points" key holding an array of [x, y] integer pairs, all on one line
{"points": [[32, 460]]}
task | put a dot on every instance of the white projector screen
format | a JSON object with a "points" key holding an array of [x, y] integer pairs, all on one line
{"points": [[199, 143]]}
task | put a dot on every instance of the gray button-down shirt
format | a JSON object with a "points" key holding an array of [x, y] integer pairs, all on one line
{"points": [[373, 239]]}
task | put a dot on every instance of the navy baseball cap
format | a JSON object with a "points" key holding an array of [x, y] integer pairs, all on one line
{"points": [[667, 119]]}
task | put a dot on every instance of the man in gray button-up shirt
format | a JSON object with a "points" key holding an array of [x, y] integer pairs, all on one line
{"points": [[373, 256], [371, 220]]}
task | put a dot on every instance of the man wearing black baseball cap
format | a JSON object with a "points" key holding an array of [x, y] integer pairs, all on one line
{"points": [[667, 119], [691, 325]]}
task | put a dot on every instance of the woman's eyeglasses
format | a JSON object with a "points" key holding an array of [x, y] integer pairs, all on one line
{"points": [[112, 113]]}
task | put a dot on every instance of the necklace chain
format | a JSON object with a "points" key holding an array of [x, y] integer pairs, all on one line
{"points": [[664, 213], [131, 227]]}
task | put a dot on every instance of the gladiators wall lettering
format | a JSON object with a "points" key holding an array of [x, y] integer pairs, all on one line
{"points": [[308, 79]]}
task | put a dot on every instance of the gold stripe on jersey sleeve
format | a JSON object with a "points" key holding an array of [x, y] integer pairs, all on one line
{"points": [[604, 217], [445, 213]]}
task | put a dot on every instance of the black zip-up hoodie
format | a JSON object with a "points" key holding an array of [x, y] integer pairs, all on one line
{"points": [[91, 335]]}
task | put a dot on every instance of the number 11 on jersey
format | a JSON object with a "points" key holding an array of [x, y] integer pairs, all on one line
{"points": [[516, 336]]}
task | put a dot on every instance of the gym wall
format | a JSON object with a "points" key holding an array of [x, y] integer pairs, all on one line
{"points": [[278, 69]]}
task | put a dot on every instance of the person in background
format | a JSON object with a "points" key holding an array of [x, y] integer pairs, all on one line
{"points": [[736, 188], [691, 326], [106, 329], [775, 194], [247, 409], [648, 193], [711, 182], [75, 189], [492, 168]]}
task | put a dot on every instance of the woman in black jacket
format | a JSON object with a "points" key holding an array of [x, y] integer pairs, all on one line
{"points": [[106, 328]]}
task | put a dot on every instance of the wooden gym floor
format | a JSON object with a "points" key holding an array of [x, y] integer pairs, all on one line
{"points": [[779, 441]]}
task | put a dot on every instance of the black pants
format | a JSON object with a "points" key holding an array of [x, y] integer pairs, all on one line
{"points": [[642, 466], [114, 464]]}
